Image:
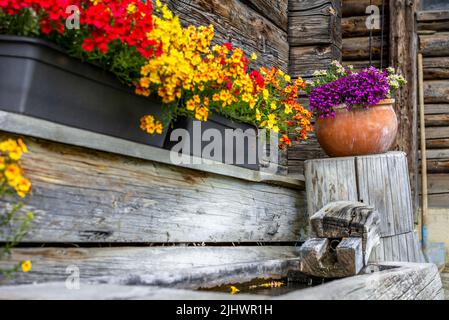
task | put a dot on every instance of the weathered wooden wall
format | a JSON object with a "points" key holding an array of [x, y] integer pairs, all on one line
{"points": [[433, 29], [434, 45], [315, 40], [255, 25], [86, 196]]}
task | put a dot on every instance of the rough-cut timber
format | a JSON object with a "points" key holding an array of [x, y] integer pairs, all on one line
{"points": [[378, 180], [181, 267], [434, 45], [403, 56], [437, 120], [397, 281], [305, 60], [436, 68], [240, 24], [326, 258], [82, 195], [404, 247], [316, 23], [345, 219], [358, 7], [436, 91], [358, 48], [356, 27]]}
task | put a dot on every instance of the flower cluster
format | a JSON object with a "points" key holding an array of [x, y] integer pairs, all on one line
{"points": [[340, 86], [113, 33], [195, 78], [11, 174]]}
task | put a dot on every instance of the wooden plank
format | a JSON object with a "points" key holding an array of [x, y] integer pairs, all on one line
{"points": [[436, 108], [355, 26], [305, 60], [403, 56], [82, 195], [437, 143], [434, 45], [436, 91], [438, 183], [358, 48], [307, 5], [436, 68], [437, 120], [437, 133], [314, 23], [362, 63], [438, 154], [429, 16], [398, 280], [180, 266], [358, 7], [329, 180], [274, 10], [237, 23], [438, 166], [383, 182], [439, 200], [402, 247]]}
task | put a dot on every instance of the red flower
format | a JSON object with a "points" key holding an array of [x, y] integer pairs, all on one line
{"points": [[228, 46]]}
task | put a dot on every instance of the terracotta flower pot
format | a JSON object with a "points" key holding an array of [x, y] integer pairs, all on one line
{"points": [[360, 131]]}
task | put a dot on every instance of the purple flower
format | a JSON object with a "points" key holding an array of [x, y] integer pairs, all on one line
{"points": [[365, 88]]}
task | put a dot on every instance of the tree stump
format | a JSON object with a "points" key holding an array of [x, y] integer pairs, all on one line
{"points": [[381, 181]]}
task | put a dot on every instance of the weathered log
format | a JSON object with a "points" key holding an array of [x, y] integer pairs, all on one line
{"points": [[438, 154], [82, 195], [438, 166], [437, 120], [358, 48], [358, 7], [332, 258], [433, 20], [437, 143], [436, 91], [436, 108], [438, 183], [435, 45], [235, 22], [437, 133], [315, 24], [305, 5], [305, 60], [174, 266], [344, 219], [274, 10], [403, 44], [402, 247], [356, 27], [350, 255], [378, 180], [362, 64], [436, 68]]}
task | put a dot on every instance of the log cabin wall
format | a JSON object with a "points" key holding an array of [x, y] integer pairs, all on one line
{"points": [[433, 29], [258, 26], [315, 40]]}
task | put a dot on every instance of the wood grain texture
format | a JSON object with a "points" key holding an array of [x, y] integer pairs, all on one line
{"points": [[403, 44], [384, 183], [436, 91], [355, 26], [314, 22], [434, 45], [437, 133], [437, 120], [358, 48], [240, 24], [274, 10], [305, 60], [358, 7], [403, 247], [329, 180], [181, 267], [436, 68], [438, 166], [346, 219], [391, 281], [81, 195], [436, 108]]}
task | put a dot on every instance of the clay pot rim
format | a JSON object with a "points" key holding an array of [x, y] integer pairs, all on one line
{"points": [[384, 102]]}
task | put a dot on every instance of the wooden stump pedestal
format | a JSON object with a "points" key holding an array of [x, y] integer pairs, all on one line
{"points": [[381, 181]]}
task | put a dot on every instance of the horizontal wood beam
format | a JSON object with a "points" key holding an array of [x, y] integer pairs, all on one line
{"points": [[181, 267], [358, 48], [436, 91], [436, 68], [435, 45]]}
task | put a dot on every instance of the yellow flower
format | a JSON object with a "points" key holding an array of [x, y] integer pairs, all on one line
{"points": [[23, 187], [273, 106], [258, 115], [254, 56], [234, 290], [2, 163], [150, 125], [26, 266], [132, 8], [266, 94], [287, 78], [22, 145]]}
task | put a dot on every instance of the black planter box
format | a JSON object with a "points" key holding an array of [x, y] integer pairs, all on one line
{"points": [[249, 157], [37, 79]]}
